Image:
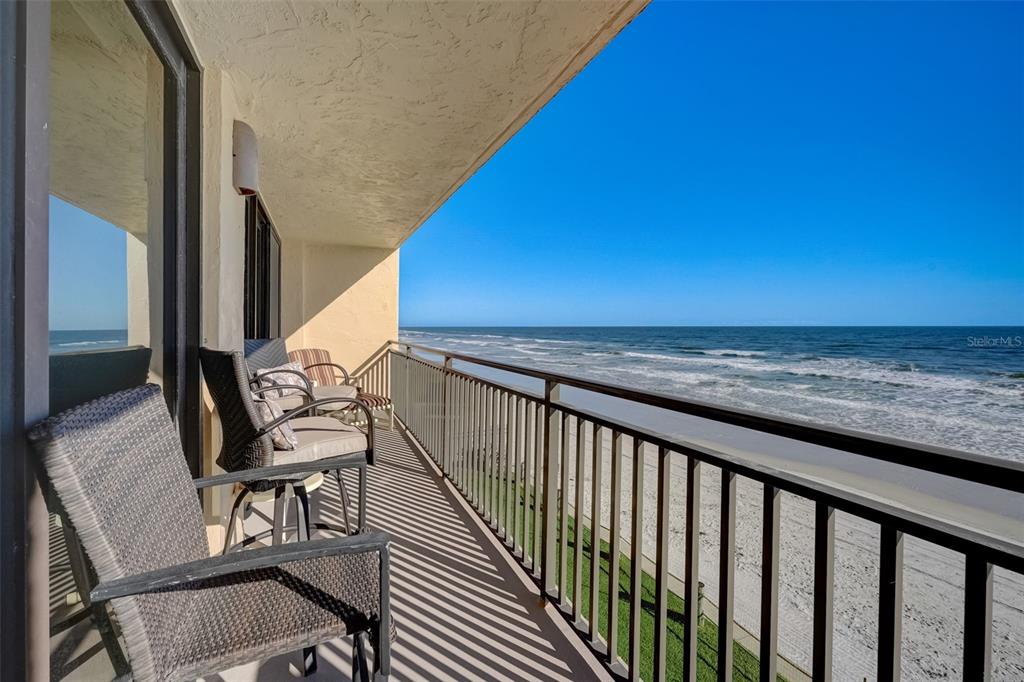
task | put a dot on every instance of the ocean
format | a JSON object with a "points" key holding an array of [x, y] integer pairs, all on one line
{"points": [[75, 340], [960, 387]]}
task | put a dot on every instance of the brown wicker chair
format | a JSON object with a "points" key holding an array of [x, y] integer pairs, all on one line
{"points": [[182, 613], [247, 445]]}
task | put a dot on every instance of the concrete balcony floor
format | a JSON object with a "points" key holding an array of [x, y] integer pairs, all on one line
{"points": [[463, 609]]}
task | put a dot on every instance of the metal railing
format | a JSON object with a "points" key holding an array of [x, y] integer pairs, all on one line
{"points": [[374, 374], [514, 454]]}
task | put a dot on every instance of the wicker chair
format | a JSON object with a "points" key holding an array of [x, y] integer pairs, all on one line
{"points": [[317, 364], [247, 444], [264, 354], [182, 613]]}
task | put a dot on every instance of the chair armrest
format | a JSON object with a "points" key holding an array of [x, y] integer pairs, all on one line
{"points": [[294, 470], [305, 379], [184, 575], [289, 387], [303, 409], [344, 372]]}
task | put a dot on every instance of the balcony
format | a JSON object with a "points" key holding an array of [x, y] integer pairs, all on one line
{"points": [[463, 608], [541, 468], [486, 486]]}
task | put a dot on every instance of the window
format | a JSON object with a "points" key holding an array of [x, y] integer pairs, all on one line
{"points": [[106, 183], [123, 261], [262, 273]]}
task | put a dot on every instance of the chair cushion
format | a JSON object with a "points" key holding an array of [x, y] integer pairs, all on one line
{"points": [[290, 402], [319, 438], [373, 400], [334, 392]]}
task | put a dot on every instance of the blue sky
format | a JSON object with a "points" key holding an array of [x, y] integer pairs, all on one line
{"points": [[753, 163], [88, 261]]}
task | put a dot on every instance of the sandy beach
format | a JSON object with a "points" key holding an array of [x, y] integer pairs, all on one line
{"points": [[933, 578]]}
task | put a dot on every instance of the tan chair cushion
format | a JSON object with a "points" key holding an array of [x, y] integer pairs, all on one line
{"points": [[319, 438], [335, 392], [292, 401], [289, 402]]}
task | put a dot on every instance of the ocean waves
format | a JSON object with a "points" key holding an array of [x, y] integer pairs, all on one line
{"points": [[924, 385]]}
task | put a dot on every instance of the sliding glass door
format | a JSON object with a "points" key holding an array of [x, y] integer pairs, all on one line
{"points": [[99, 255], [122, 238], [107, 231]]}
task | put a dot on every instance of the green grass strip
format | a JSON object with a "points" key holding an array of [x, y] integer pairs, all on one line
{"points": [[746, 666]]}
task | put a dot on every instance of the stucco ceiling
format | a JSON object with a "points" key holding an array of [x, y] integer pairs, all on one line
{"points": [[106, 96], [369, 115]]}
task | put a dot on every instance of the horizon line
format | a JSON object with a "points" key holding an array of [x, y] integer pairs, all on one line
{"points": [[655, 326]]}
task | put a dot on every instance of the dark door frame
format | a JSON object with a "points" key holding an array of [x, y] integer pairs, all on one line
{"points": [[182, 267], [24, 334], [24, 314], [260, 322]]}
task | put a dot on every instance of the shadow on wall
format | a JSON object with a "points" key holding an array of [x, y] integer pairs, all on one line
{"points": [[337, 297]]}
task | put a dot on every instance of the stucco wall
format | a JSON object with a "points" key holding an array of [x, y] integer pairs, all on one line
{"points": [[342, 298], [223, 258], [223, 219]]}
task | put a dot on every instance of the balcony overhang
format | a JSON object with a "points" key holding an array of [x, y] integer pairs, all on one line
{"points": [[370, 115]]}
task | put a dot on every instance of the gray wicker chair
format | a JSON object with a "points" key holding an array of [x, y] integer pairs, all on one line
{"points": [[263, 354], [182, 613], [247, 444], [76, 378]]}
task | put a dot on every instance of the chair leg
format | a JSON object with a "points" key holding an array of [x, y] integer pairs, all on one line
{"points": [[381, 664], [77, 561], [343, 493], [234, 516], [108, 636], [309, 663], [302, 522], [360, 669], [362, 497], [278, 534]]}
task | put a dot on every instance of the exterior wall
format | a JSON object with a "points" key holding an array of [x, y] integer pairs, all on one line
{"points": [[223, 219], [223, 261], [342, 298]]}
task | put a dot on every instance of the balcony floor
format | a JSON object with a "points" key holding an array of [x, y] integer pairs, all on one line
{"points": [[462, 608]]}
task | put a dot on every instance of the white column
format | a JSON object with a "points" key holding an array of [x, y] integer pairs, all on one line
{"points": [[138, 290]]}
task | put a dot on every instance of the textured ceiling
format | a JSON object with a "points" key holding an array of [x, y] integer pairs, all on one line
{"points": [[369, 115], [103, 80]]}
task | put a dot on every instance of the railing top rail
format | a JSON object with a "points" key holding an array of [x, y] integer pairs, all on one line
{"points": [[968, 466]]}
